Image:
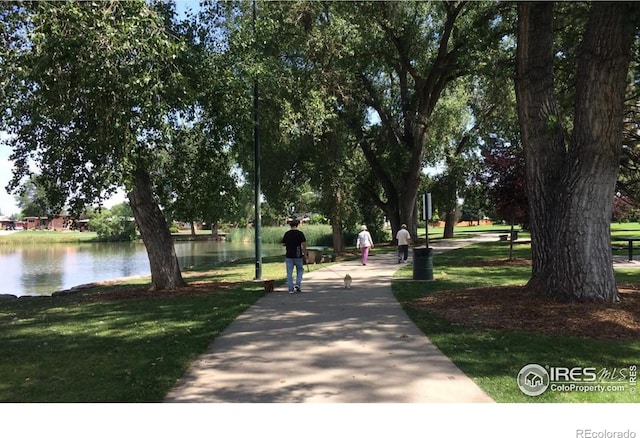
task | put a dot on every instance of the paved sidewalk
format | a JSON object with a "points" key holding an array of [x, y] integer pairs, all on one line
{"points": [[328, 344]]}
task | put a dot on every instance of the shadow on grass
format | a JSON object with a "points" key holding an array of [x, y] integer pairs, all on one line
{"points": [[69, 350]]}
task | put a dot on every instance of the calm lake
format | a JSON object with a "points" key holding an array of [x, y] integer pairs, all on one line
{"points": [[44, 269]]}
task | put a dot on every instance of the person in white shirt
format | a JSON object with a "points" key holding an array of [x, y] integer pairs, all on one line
{"points": [[404, 239], [364, 243]]}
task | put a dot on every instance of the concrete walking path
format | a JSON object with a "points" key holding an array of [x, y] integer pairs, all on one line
{"points": [[328, 344]]}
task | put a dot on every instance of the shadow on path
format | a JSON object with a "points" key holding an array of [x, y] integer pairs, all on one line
{"points": [[328, 344]]}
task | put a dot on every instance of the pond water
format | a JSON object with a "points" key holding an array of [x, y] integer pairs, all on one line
{"points": [[43, 269]]}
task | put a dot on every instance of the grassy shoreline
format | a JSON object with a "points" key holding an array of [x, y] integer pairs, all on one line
{"points": [[38, 237]]}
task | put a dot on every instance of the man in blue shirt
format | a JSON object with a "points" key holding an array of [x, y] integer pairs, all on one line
{"points": [[296, 245]]}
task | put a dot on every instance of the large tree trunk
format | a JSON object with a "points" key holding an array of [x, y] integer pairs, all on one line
{"points": [[571, 181], [449, 224], [333, 188], [165, 271], [392, 213], [409, 197], [451, 203], [408, 217]]}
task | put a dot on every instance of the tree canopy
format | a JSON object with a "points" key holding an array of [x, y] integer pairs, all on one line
{"points": [[356, 99]]}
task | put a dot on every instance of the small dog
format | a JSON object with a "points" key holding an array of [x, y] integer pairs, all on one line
{"points": [[268, 286], [347, 281]]}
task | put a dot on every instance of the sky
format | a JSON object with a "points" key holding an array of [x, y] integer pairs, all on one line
{"points": [[8, 204]]}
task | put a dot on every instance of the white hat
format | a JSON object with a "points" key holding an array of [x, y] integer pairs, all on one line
{"points": [[363, 228]]}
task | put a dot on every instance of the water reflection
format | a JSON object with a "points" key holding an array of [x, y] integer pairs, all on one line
{"points": [[43, 269]]}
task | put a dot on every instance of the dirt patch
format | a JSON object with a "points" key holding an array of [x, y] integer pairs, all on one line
{"points": [[192, 289], [501, 262], [511, 308]]}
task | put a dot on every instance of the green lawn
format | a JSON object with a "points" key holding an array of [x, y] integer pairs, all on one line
{"points": [[494, 358]]}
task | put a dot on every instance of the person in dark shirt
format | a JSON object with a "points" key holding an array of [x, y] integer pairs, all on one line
{"points": [[295, 244]]}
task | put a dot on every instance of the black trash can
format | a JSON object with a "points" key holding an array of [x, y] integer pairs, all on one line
{"points": [[514, 235], [422, 264]]}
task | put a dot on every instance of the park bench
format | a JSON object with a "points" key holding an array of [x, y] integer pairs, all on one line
{"points": [[505, 237], [629, 241], [317, 254]]}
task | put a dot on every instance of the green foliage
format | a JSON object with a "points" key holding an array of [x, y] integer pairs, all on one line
{"points": [[318, 219], [198, 179], [116, 224], [92, 86], [32, 198], [477, 203], [174, 227], [629, 179]]}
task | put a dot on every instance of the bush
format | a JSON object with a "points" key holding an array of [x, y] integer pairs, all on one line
{"points": [[174, 227], [113, 228]]}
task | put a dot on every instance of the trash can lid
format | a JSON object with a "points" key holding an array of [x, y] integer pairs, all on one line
{"points": [[422, 252]]}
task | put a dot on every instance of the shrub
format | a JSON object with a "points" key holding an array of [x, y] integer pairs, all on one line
{"points": [[112, 227]]}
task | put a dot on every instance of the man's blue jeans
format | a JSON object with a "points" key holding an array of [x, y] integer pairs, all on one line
{"points": [[298, 263]]}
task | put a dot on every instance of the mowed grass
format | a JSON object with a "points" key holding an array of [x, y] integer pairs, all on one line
{"points": [[493, 358]]}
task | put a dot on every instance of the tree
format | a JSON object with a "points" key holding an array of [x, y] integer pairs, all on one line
{"points": [[504, 176], [32, 198], [622, 208], [199, 177], [305, 142], [114, 224], [452, 140], [477, 203], [92, 88], [629, 179], [410, 53], [572, 158]]}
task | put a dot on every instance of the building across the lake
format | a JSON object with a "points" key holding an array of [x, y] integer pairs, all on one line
{"points": [[60, 222], [7, 223]]}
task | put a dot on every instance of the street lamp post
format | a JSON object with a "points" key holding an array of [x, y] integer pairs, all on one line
{"points": [[256, 145]]}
